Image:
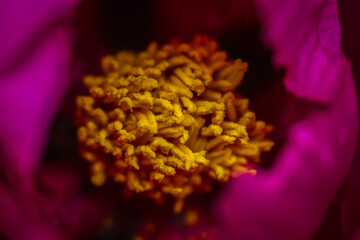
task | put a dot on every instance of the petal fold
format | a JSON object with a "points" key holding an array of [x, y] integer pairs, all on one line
{"points": [[289, 200], [34, 73], [305, 38]]}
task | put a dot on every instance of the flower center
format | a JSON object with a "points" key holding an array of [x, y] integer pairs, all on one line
{"points": [[166, 121]]}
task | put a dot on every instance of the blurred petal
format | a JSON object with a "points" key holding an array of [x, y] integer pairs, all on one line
{"points": [[350, 213], [14, 213], [288, 201], [26, 23], [34, 74], [63, 203], [59, 210]]}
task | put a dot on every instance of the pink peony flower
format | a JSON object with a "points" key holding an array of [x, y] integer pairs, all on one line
{"points": [[44, 200]]}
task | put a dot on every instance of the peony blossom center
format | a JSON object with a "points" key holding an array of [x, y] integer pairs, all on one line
{"points": [[166, 121]]}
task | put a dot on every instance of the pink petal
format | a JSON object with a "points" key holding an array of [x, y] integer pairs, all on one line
{"points": [[24, 24], [57, 211], [289, 200], [305, 38], [34, 70], [65, 206], [17, 222]]}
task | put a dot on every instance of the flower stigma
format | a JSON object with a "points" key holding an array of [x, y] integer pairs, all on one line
{"points": [[166, 121]]}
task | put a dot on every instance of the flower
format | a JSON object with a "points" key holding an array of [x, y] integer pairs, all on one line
{"points": [[286, 201]]}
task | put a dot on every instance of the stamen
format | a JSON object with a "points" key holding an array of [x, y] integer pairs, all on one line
{"points": [[165, 121]]}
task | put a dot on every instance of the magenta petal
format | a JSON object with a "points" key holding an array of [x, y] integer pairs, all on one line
{"points": [[65, 205], [30, 98], [289, 200], [59, 210], [34, 73], [305, 38], [18, 222], [24, 24]]}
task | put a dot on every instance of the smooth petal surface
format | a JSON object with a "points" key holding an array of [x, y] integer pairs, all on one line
{"points": [[289, 200], [25, 24], [34, 74]]}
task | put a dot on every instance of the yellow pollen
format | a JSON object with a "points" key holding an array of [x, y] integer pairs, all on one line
{"points": [[167, 122]]}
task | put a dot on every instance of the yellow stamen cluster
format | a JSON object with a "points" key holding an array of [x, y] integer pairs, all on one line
{"points": [[166, 120]]}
